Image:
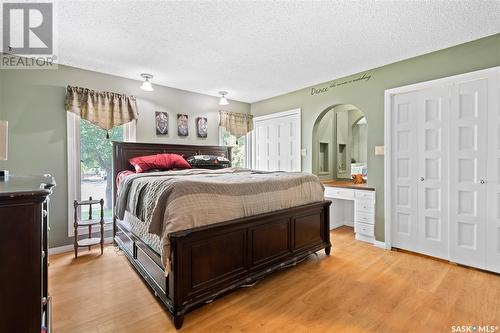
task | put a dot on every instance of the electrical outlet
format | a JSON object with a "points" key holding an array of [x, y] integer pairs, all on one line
{"points": [[379, 150]]}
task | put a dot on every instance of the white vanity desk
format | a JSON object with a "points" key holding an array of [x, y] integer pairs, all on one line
{"points": [[352, 205]]}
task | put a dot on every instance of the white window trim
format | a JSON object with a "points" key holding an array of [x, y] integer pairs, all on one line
{"points": [[73, 149], [248, 156]]}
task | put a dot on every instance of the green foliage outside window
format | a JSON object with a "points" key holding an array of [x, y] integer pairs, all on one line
{"points": [[238, 151], [96, 154]]}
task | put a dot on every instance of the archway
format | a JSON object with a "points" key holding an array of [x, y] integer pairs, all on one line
{"points": [[339, 142]]}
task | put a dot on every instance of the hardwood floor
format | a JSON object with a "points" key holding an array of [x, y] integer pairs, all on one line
{"points": [[359, 288]]}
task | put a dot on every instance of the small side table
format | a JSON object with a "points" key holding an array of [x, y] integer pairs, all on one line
{"points": [[90, 241]]}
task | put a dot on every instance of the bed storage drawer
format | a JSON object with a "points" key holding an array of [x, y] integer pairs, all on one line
{"points": [[156, 273], [125, 241]]}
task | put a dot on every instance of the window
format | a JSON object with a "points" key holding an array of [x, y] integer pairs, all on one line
{"points": [[90, 165], [96, 166], [238, 153]]}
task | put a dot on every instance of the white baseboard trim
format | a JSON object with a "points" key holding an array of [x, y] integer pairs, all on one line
{"points": [[364, 238], [379, 244], [70, 247]]}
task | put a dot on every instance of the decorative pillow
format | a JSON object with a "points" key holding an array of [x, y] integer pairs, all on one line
{"points": [[209, 162], [159, 162]]}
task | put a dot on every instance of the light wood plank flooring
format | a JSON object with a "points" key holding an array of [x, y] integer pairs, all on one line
{"points": [[359, 288]]}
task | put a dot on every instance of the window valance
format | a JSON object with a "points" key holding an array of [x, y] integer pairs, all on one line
{"points": [[238, 124], [102, 108]]}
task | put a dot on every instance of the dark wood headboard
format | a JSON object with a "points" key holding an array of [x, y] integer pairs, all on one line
{"points": [[123, 151]]}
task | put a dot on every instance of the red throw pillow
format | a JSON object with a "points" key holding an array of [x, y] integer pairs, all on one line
{"points": [[159, 161]]}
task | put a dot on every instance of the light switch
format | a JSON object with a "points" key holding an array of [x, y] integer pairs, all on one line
{"points": [[379, 150], [303, 152]]}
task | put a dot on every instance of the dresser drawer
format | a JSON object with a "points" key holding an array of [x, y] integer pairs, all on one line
{"points": [[365, 217], [365, 194], [365, 205], [364, 229], [337, 192]]}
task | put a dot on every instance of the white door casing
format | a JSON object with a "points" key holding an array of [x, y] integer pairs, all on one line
{"points": [[493, 178]]}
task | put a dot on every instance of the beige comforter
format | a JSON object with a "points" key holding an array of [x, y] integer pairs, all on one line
{"points": [[178, 200]]}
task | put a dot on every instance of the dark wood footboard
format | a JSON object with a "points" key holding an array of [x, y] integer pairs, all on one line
{"points": [[215, 259]]}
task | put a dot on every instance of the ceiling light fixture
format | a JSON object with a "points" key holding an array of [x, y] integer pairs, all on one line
{"points": [[223, 100], [146, 85]]}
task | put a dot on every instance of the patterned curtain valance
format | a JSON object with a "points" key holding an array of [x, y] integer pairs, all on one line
{"points": [[102, 108], [238, 124]]}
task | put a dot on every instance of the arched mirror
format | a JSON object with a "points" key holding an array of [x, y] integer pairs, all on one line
{"points": [[340, 143]]}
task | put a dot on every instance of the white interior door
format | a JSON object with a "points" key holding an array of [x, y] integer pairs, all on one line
{"points": [[432, 126], [276, 140], [404, 176], [493, 179], [468, 167]]}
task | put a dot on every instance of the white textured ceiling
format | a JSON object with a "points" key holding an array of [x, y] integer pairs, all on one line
{"points": [[260, 49]]}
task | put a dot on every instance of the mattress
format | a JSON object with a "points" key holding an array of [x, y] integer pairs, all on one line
{"points": [[140, 230], [170, 201]]}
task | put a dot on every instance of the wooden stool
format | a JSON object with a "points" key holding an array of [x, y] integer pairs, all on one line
{"points": [[89, 242]]}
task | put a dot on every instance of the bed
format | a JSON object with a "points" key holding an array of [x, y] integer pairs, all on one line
{"points": [[207, 261]]}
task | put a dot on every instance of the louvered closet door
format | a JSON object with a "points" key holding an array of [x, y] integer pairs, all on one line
{"points": [[468, 167], [493, 179], [404, 228], [432, 126]]}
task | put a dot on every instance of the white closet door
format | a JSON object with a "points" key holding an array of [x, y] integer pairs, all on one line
{"points": [[468, 166], [404, 229], [493, 179], [432, 126], [277, 142], [261, 158]]}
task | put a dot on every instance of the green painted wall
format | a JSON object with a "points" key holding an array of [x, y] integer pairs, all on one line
{"points": [[33, 103], [369, 97]]}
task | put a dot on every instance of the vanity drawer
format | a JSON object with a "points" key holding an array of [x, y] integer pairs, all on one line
{"points": [[338, 192], [365, 205], [365, 195], [365, 217], [364, 229]]}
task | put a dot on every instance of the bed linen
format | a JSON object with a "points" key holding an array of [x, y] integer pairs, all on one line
{"points": [[171, 201]]}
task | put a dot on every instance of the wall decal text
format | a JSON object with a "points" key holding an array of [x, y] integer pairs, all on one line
{"points": [[320, 90]]}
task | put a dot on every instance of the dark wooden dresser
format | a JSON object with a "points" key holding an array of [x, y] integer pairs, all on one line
{"points": [[25, 305]]}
